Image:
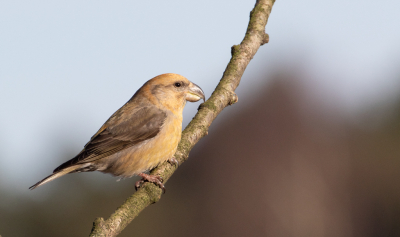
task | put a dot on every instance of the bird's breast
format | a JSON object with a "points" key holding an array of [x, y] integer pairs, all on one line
{"points": [[147, 154]]}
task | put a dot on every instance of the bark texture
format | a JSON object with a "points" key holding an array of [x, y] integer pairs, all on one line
{"points": [[223, 95]]}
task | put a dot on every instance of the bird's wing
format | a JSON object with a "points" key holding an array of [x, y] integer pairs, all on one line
{"points": [[118, 133]]}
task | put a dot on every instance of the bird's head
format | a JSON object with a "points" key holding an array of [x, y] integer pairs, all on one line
{"points": [[172, 91]]}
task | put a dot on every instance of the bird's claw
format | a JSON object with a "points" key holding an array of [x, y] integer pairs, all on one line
{"points": [[157, 180], [173, 161]]}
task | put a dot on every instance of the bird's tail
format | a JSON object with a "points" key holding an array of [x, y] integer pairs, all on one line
{"points": [[54, 175]]}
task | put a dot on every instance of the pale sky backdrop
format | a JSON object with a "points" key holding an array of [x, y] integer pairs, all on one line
{"points": [[66, 66]]}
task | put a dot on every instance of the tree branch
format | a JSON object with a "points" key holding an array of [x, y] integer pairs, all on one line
{"points": [[223, 95]]}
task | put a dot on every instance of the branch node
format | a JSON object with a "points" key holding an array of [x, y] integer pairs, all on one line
{"points": [[200, 106], [98, 225], [265, 39], [235, 49], [233, 98]]}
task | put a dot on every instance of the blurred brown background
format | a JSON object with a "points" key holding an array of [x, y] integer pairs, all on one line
{"points": [[275, 164]]}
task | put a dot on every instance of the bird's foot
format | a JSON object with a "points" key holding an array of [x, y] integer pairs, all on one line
{"points": [[151, 178], [173, 161]]}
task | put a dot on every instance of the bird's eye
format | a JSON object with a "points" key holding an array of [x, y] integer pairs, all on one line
{"points": [[177, 84]]}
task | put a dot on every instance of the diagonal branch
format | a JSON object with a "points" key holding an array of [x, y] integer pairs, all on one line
{"points": [[223, 95]]}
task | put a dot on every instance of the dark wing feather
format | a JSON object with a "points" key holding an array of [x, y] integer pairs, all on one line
{"points": [[143, 124]]}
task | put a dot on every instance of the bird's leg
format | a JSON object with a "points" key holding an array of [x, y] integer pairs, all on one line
{"points": [[151, 178], [173, 161]]}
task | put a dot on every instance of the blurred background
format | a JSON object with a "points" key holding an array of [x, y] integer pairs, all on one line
{"points": [[312, 148]]}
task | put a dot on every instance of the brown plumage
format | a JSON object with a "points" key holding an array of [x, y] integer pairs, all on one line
{"points": [[140, 135]]}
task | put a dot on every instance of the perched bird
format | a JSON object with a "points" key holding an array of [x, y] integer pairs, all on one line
{"points": [[140, 135]]}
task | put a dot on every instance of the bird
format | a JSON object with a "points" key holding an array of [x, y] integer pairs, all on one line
{"points": [[140, 135]]}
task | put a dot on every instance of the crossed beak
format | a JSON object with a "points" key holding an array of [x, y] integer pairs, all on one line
{"points": [[195, 93]]}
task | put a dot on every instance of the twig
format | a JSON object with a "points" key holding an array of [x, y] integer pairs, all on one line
{"points": [[223, 95]]}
